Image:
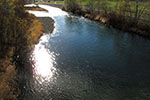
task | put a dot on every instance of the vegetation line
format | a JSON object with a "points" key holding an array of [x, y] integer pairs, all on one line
{"points": [[129, 15], [35, 8]]}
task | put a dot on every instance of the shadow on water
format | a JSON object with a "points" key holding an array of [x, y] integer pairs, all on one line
{"points": [[85, 60]]}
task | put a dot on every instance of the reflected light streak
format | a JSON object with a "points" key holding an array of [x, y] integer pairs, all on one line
{"points": [[43, 68], [44, 60]]}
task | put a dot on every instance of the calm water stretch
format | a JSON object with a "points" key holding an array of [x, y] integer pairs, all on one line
{"points": [[85, 60]]}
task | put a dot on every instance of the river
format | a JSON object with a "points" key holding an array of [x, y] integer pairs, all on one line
{"points": [[85, 60]]}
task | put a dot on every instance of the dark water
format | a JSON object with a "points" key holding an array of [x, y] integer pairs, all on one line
{"points": [[84, 60]]}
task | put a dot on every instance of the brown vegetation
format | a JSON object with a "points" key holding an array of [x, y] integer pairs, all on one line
{"points": [[34, 32], [8, 85], [35, 9], [18, 30], [122, 22]]}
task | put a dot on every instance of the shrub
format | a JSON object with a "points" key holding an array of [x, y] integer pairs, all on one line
{"points": [[71, 5]]}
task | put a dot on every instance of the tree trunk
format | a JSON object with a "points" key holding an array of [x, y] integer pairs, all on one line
{"points": [[136, 9]]}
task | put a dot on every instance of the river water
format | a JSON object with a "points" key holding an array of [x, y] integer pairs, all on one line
{"points": [[85, 60]]}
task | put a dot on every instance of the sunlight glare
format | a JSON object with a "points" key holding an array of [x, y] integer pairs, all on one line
{"points": [[43, 62]]}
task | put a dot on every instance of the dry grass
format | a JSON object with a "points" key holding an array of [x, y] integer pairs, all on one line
{"points": [[35, 32], [35, 9], [8, 84], [8, 75]]}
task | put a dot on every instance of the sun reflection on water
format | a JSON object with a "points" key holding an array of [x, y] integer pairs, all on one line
{"points": [[44, 61]]}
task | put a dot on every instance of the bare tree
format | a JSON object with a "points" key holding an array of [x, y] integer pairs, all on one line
{"points": [[139, 11], [92, 5], [124, 7], [104, 6]]}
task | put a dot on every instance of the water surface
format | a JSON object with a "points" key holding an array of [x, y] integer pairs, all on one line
{"points": [[85, 60]]}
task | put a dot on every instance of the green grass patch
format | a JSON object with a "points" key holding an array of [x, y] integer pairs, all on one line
{"points": [[52, 2], [112, 4], [56, 2]]}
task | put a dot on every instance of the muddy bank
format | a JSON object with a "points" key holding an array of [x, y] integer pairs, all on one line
{"points": [[48, 24], [35, 9]]}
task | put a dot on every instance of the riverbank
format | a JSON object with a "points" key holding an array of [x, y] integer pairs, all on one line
{"points": [[8, 76], [48, 24], [128, 24], [35, 9], [40, 26], [121, 22], [8, 70]]}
